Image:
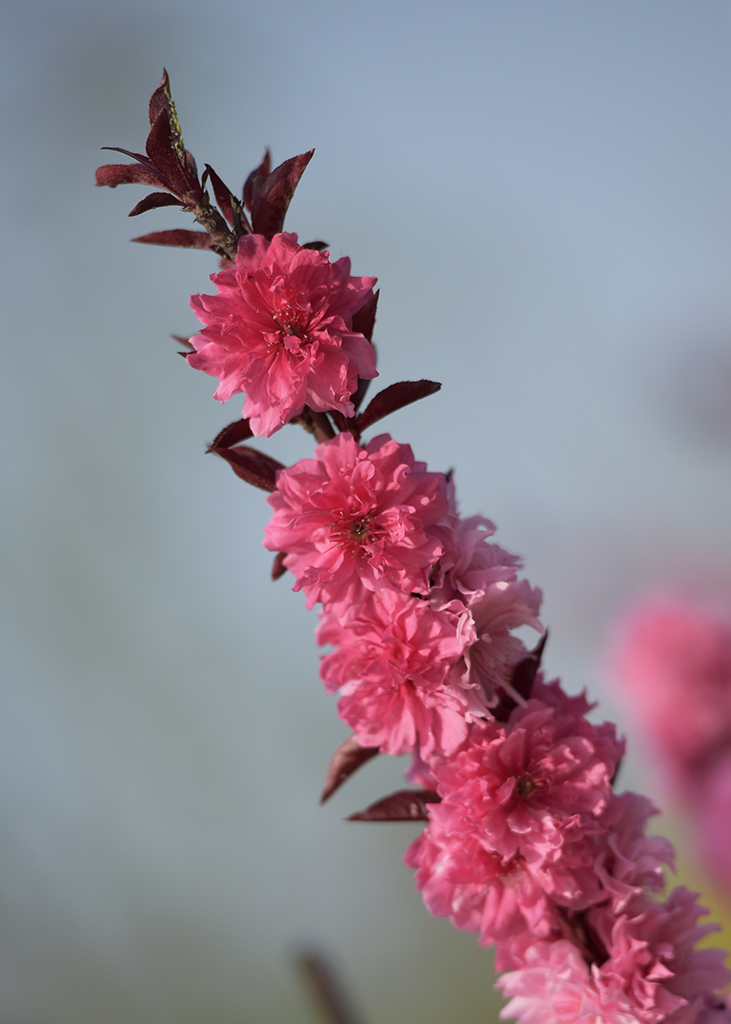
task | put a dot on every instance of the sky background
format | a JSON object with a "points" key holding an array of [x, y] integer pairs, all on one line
{"points": [[543, 190]]}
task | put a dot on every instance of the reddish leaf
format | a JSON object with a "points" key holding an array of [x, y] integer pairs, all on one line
{"points": [[161, 98], [405, 805], [163, 148], [360, 393], [273, 198], [191, 165], [347, 758], [256, 179], [180, 238], [241, 224], [394, 397], [365, 319], [525, 671], [252, 466], [125, 174], [278, 568], [521, 680], [153, 202], [139, 157], [233, 434], [185, 342], [222, 193]]}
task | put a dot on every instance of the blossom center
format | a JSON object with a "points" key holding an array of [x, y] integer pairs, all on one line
{"points": [[352, 533], [525, 785], [292, 322]]}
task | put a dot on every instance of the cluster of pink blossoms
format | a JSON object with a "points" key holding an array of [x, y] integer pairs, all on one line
{"points": [[672, 654], [421, 649], [526, 841]]}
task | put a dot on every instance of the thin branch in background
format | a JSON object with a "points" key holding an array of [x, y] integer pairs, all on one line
{"points": [[326, 989]]}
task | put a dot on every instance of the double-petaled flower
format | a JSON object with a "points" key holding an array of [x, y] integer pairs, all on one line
{"points": [[281, 330]]}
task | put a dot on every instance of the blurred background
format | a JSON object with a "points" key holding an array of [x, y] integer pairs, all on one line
{"points": [[544, 191]]}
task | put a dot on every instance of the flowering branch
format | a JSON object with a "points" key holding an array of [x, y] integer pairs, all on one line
{"points": [[526, 841]]}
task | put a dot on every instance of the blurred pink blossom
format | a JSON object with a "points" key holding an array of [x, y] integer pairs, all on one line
{"points": [[672, 657]]}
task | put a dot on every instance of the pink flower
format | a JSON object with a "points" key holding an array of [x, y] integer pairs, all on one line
{"points": [[280, 329], [488, 660], [391, 663], [652, 960], [478, 889], [632, 862], [643, 969], [510, 902], [470, 562], [554, 986], [354, 518], [530, 786], [480, 578]]}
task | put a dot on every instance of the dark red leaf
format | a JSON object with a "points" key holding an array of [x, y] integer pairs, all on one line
{"points": [[347, 758], [161, 98], [241, 222], [278, 568], [125, 174], [191, 165], [153, 202], [273, 198], [139, 157], [234, 433], [252, 466], [164, 148], [394, 397], [185, 342], [162, 153], [521, 680], [360, 393], [256, 179], [405, 805], [365, 319], [525, 671], [222, 193], [180, 238]]}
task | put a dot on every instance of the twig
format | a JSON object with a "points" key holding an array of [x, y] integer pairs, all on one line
{"points": [[326, 989]]}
